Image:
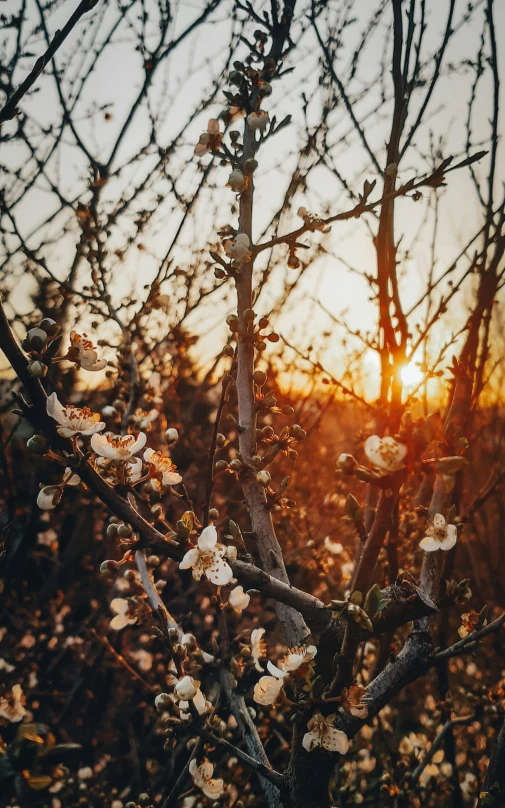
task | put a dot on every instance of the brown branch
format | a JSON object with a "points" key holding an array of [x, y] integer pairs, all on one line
{"points": [[9, 111], [437, 743], [494, 780]]}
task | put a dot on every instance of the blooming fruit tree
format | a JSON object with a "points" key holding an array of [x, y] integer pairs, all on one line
{"points": [[220, 695]]}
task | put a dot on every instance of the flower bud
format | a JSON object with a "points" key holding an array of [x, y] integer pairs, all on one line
{"points": [[171, 435], [347, 463], [297, 432], [236, 464], [109, 412], [153, 561], [38, 444], [259, 377], [231, 552], [111, 531], [48, 497], [37, 369], [109, 566], [228, 351], [124, 531], [263, 477], [249, 315], [232, 321], [213, 514], [36, 339], [287, 410], [51, 327], [221, 465], [258, 121], [236, 181], [185, 688], [189, 641], [162, 701]]}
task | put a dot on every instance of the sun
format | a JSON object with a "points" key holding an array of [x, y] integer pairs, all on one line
{"points": [[412, 375]]}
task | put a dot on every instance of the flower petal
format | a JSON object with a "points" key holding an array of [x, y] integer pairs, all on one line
{"points": [[275, 671], [119, 621], [139, 443], [55, 408], [448, 543], [311, 740], [208, 538], [334, 740], [171, 478], [220, 573], [190, 559], [429, 544]]}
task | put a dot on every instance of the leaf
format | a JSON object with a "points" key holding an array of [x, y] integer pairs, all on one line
{"points": [[352, 507], [188, 518], [39, 781]]}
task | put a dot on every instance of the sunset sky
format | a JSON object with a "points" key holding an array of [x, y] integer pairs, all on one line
{"points": [[179, 85]]}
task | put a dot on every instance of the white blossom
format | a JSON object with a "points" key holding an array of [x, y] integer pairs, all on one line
{"points": [[200, 702], [143, 420], [73, 420], [439, 535], [386, 454], [83, 353], [238, 599], [207, 558], [186, 688], [117, 447], [323, 733], [297, 660], [161, 469], [123, 618], [11, 706], [202, 777], [268, 689]]}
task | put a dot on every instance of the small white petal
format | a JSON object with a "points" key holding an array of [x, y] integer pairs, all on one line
{"points": [[208, 538], [429, 544]]}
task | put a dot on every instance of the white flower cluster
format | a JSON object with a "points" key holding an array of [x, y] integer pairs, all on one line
{"points": [[111, 451]]}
